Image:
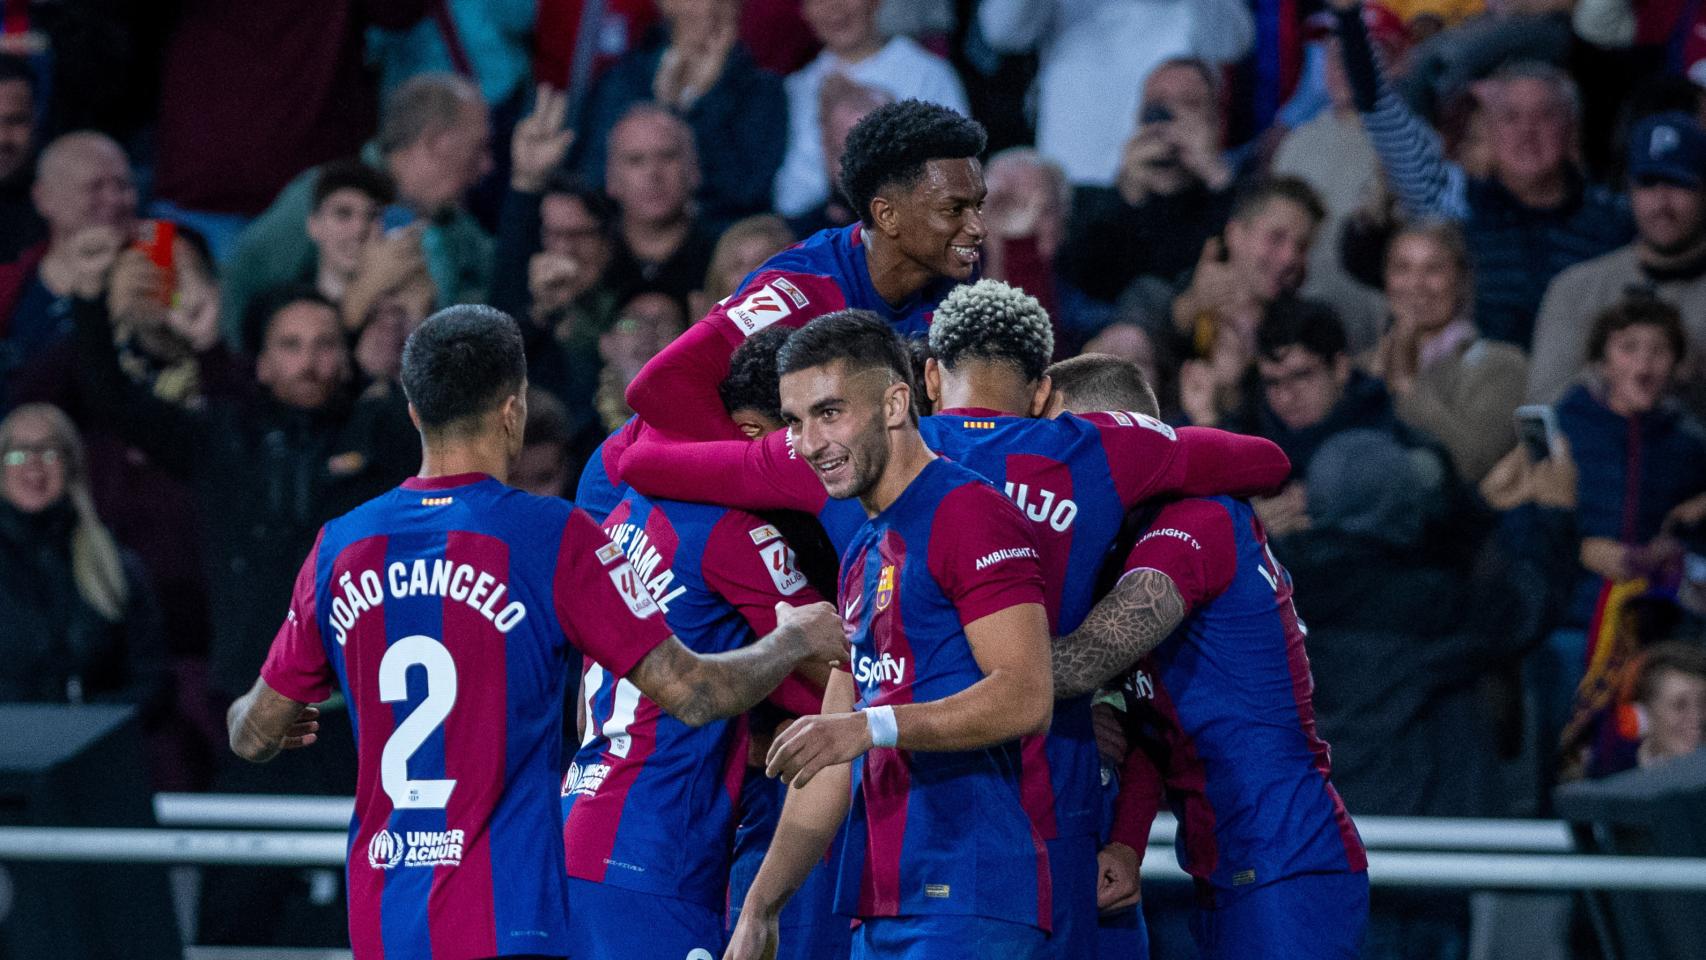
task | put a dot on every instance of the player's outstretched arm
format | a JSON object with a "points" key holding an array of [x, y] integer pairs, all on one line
{"points": [[1136, 615], [1012, 700], [744, 474], [263, 721], [810, 817], [698, 688]]}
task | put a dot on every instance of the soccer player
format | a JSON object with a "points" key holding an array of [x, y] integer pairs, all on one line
{"points": [[443, 610], [910, 170], [649, 803], [1222, 711], [1074, 478], [943, 591]]}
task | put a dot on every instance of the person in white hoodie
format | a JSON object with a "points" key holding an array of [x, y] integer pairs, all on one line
{"points": [[853, 47], [1095, 55]]}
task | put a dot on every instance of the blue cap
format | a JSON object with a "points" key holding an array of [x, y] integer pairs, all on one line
{"points": [[1668, 148]]}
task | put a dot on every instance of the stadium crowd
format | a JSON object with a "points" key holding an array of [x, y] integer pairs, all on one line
{"points": [[1368, 233]]}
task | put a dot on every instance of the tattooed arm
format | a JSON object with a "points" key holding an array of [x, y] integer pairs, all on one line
{"points": [[698, 688], [1136, 615]]}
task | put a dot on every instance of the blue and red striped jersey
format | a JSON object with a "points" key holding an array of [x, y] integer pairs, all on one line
{"points": [[650, 803], [1224, 707], [600, 488], [826, 272], [1074, 477], [443, 610], [948, 832]]}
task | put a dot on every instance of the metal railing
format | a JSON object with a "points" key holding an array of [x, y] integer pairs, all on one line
{"points": [[1403, 852]]}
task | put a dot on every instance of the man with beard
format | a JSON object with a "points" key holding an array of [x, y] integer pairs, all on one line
{"points": [[1667, 189], [943, 594]]}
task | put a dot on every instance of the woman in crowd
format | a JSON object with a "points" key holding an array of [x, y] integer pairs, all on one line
{"points": [[78, 623], [1445, 379], [743, 248]]}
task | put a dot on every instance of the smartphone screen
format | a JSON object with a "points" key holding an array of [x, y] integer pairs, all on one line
{"points": [[1536, 425]]}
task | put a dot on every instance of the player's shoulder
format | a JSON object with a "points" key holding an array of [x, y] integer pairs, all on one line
{"points": [[962, 496], [1117, 420], [1193, 519]]}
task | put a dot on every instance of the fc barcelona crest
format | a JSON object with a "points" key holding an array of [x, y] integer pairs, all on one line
{"points": [[885, 587]]}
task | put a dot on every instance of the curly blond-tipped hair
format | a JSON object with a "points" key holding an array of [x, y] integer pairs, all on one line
{"points": [[989, 320]]}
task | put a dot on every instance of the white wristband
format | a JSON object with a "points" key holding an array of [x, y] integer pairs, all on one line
{"points": [[884, 731]]}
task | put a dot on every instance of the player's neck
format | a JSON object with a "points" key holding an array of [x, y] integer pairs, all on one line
{"points": [[896, 277], [908, 457], [965, 394], [479, 455]]}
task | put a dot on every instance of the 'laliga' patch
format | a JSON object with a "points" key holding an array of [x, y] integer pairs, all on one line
{"points": [[640, 603], [761, 308], [784, 571]]}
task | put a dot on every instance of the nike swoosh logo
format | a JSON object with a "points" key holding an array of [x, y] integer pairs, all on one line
{"points": [[853, 605]]}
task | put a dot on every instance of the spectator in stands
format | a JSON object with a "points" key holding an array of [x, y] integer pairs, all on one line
{"points": [[1445, 379], [255, 93], [841, 104], [1642, 460], [267, 469], [1667, 190], [85, 193], [1174, 189], [78, 623], [1533, 217], [486, 40], [1308, 391], [699, 71], [1670, 692], [544, 468], [21, 226], [646, 323], [1258, 261], [652, 173], [852, 48], [1096, 55], [1515, 31], [432, 143], [1025, 213], [1333, 154], [1130, 341], [1400, 646], [349, 199], [742, 248]]}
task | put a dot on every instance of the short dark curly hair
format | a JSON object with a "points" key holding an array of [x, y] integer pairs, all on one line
{"points": [[752, 379], [992, 321], [461, 362], [891, 145]]}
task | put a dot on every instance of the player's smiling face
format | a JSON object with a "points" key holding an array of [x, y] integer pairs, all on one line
{"points": [[835, 422], [939, 223]]}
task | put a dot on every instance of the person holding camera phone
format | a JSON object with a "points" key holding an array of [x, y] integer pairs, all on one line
{"points": [[1173, 190]]}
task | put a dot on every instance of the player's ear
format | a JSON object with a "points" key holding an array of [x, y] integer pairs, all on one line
{"points": [[885, 216], [932, 380], [897, 404], [414, 416], [1041, 394]]}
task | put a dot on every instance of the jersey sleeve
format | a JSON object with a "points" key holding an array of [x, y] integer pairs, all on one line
{"points": [[1150, 459], [749, 564], [1138, 801], [676, 391], [743, 474], [600, 601], [296, 666], [1192, 542], [983, 553]]}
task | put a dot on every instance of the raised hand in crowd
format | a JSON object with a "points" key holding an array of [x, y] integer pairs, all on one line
{"points": [[698, 51], [553, 281], [1217, 291], [387, 265], [93, 252], [540, 141]]}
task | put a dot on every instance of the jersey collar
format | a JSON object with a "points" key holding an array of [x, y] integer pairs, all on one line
{"points": [[444, 483], [982, 413]]}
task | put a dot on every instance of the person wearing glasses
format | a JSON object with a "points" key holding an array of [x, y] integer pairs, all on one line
{"points": [[78, 620]]}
